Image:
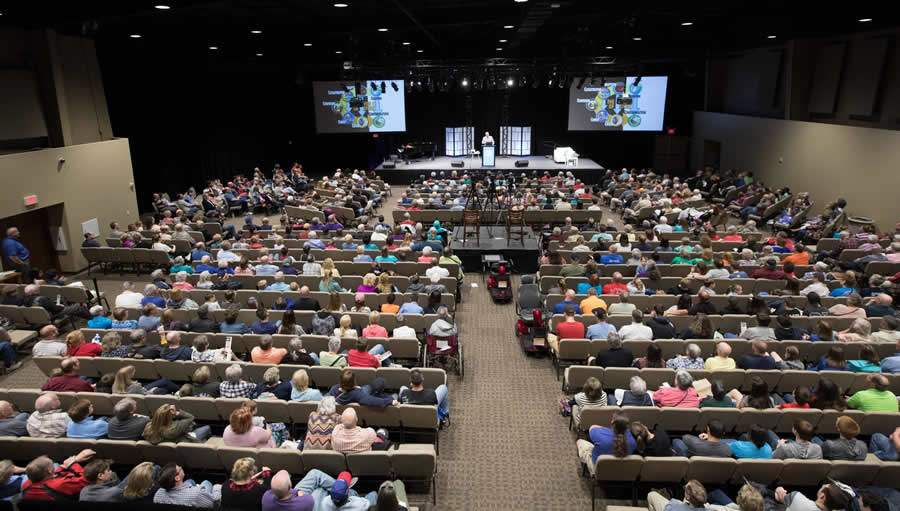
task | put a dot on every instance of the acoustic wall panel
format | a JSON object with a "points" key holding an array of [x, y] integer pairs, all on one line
{"points": [[865, 64], [826, 78]]}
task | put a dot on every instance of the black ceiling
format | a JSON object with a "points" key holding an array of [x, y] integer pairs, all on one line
{"points": [[566, 33]]}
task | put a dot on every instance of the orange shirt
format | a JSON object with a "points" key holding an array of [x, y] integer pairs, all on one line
{"points": [[390, 308], [590, 303], [799, 259], [272, 356]]}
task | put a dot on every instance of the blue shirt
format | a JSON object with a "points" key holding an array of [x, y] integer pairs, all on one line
{"points": [[603, 442], [128, 324], [155, 300], [266, 269], [842, 291], [88, 428], [561, 306], [263, 327], [891, 364], [611, 259], [388, 259], [742, 449], [197, 255], [235, 328], [584, 286], [12, 247], [100, 322], [364, 258], [148, 323], [278, 286], [411, 308], [600, 331]]}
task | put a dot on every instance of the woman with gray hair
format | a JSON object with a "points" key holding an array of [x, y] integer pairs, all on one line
{"points": [[636, 395], [333, 357], [98, 319], [443, 326], [321, 424], [234, 386], [296, 355], [272, 386], [681, 395]]}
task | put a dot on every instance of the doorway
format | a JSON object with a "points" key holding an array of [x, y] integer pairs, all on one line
{"points": [[34, 233]]}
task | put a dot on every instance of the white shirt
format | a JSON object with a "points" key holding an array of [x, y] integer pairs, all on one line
{"points": [[437, 270], [487, 139], [161, 246], [129, 299], [404, 332], [663, 228], [379, 236], [635, 331], [818, 287]]}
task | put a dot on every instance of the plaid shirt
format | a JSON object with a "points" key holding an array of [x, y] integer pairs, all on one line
{"points": [[188, 495], [50, 424], [352, 440], [239, 389]]}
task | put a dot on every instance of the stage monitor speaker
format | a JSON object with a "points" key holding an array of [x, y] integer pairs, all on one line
{"points": [[390, 165], [457, 164], [521, 163]]}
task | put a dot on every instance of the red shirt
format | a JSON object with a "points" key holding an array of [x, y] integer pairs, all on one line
{"points": [[85, 349], [733, 237], [792, 405], [765, 273], [614, 288], [68, 481], [362, 359], [570, 330], [67, 383]]}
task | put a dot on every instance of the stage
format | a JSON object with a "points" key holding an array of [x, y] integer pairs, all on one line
{"points": [[493, 241], [587, 170]]}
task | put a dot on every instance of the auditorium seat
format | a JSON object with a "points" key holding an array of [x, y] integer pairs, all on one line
{"points": [[710, 470], [856, 473], [760, 471], [804, 472], [664, 470]]}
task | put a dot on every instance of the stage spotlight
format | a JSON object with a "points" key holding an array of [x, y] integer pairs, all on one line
{"points": [[383, 87], [465, 82], [394, 86], [510, 82]]}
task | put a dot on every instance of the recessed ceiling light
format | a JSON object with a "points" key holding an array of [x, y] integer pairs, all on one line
{"points": [[508, 27], [213, 47], [465, 83], [382, 29], [162, 7], [687, 23], [510, 82], [502, 40], [259, 54], [520, 1], [338, 52], [499, 49], [609, 47], [637, 38], [256, 31], [865, 20], [771, 37], [339, 4], [135, 36], [307, 44], [420, 51]]}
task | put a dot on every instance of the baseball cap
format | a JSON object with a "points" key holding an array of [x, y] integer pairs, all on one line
{"points": [[895, 278], [341, 487]]}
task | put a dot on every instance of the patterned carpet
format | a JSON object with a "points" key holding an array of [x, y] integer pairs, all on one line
{"points": [[507, 447]]}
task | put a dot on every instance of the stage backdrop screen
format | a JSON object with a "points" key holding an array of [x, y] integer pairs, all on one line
{"points": [[340, 108], [618, 104]]}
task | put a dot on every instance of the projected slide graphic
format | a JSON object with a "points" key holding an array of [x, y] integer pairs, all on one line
{"points": [[341, 108], [618, 104]]}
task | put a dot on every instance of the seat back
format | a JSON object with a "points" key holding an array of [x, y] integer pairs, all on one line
{"points": [[710, 470], [664, 470], [610, 468], [761, 471], [804, 472]]}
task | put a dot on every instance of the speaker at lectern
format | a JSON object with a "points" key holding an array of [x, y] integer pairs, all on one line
{"points": [[488, 153]]}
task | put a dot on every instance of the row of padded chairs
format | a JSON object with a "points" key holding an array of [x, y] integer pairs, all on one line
{"points": [[724, 323], [408, 462], [406, 418], [349, 282], [343, 261], [719, 301], [640, 471], [32, 317], [401, 349], [322, 377], [688, 420], [779, 381], [577, 350], [755, 286], [544, 216]]}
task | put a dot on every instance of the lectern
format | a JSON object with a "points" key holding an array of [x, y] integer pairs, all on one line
{"points": [[488, 155]]}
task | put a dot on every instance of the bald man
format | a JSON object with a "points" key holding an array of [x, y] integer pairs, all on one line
{"points": [[348, 437], [876, 398], [49, 345], [879, 306], [10, 423], [68, 381], [47, 421], [722, 361], [281, 497]]}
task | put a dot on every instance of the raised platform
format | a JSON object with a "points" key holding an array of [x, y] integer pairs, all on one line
{"points": [[407, 172], [493, 241]]}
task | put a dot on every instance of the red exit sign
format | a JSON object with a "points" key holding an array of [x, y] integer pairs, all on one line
{"points": [[30, 200]]}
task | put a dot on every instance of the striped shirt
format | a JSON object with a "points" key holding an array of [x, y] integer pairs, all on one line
{"points": [[319, 428], [188, 495], [357, 439], [582, 402]]}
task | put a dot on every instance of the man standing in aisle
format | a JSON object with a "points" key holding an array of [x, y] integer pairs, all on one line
{"points": [[15, 255]]}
